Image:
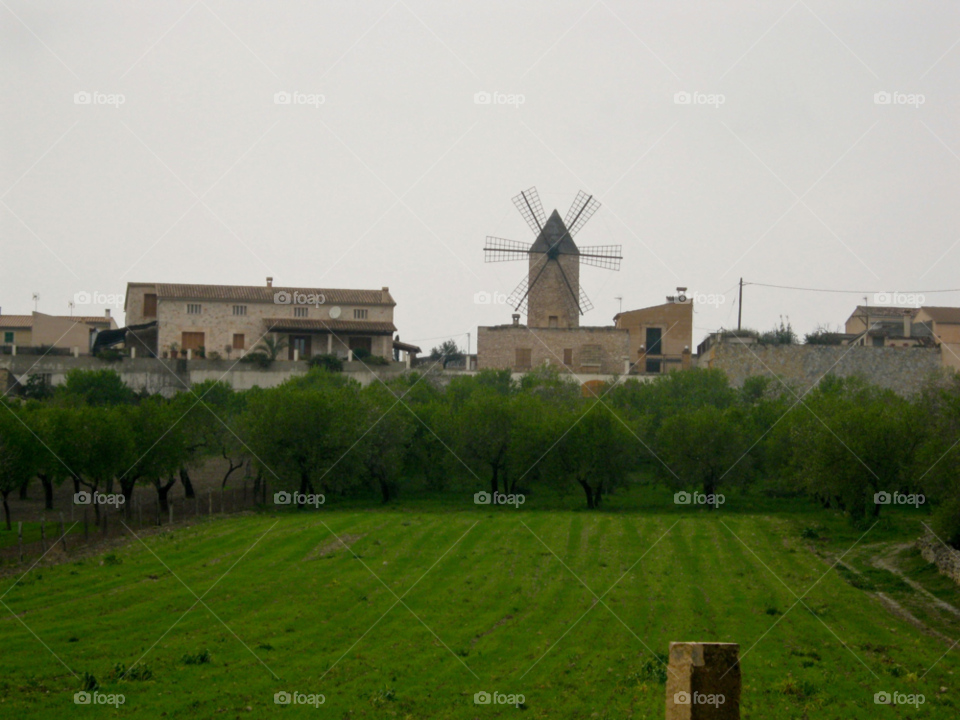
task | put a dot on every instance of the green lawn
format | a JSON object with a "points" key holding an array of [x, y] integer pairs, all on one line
{"points": [[491, 600]]}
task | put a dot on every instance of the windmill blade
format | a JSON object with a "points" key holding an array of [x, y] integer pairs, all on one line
{"points": [[504, 250], [602, 256], [518, 298], [528, 203], [573, 294], [583, 208], [585, 304]]}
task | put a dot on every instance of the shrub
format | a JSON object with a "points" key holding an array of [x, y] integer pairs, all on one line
{"points": [[331, 363], [260, 359], [361, 353], [110, 355], [201, 658]]}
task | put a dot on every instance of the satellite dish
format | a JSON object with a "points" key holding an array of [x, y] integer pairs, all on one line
{"points": [[335, 312]]}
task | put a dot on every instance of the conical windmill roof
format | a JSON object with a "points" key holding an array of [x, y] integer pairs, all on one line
{"points": [[555, 231]]}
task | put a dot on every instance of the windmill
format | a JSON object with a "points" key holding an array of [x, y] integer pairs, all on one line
{"points": [[550, 294]]}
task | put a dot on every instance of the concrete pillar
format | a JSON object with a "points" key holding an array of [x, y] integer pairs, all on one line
{"points": [[406, 359], [133, 353], [349, 355], [13, 349], [189, 354], [296, 354], [330, 344], [626, 366], [703, 681], [76, 351]]}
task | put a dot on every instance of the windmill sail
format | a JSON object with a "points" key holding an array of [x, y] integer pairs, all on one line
{"points": [[528, 203], [602, 256], [583, 208], [504, 250]]}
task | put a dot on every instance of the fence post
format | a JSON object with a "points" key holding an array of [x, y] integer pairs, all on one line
{"points": [[703, 670], [63, 536], [210, 498], [222, 508], [43, 535], [170, 506], [140, 511], [86, 526], [20, 540]]}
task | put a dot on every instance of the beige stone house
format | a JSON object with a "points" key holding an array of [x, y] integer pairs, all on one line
{"points": [[168, 319], [943, 324], [660, 336], [65, 332]]}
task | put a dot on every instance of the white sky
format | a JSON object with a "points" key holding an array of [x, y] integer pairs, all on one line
{"points": [[398, 177]]}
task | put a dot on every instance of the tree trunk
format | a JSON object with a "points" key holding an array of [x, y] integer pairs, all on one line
{"points": [[230, 471], [23, 489], [47, 490], [384, 489], [162, 491], [6, 509], [126, 487], [494, 485], [589, 491], [187, 484], [709, 488], [304, 486], [598, 495], [76, 484]]}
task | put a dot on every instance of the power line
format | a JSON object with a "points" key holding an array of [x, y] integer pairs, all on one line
{"points": [[854, 292]]}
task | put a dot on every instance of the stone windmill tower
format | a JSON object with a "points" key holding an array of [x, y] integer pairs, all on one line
{"points": [[550, 294]]}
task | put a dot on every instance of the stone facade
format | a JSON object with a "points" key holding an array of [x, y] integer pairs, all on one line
{"points": [[551, 302], [597, 350], [674, 321], [903, 370], [232, 320]]}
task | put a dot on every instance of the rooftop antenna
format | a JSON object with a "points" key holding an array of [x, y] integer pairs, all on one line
{"points": [[70, 305], [619, 298], [36, 300]]}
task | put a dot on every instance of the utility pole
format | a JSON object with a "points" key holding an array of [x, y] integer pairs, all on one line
{"points": [[740, 306], [619, 298]]}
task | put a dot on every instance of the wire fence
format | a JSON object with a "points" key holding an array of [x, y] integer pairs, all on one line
{"points": [[86, 525]]}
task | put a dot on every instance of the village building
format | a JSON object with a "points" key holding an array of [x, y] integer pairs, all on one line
{"points": [[181, 320], [40, 332]]}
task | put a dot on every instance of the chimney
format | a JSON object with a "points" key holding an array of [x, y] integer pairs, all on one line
{"points": [[106, 313], [907, 322], [516, 319], [269, 282], [385, 295]]}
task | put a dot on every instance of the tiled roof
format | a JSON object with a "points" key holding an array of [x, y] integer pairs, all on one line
{"points": [[26, 321], [355, 326], [880, 311], [264, 294], [943, 314]]}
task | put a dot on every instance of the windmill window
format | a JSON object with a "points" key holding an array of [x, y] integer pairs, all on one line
{"points": [[590, 355], [568, 356], [523, 357], [553, 321]]}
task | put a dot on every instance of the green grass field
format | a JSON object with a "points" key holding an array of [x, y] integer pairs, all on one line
{"points": [[501, 600]]}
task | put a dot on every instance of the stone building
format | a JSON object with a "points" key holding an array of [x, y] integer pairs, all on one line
{"points": [[64, 332], [660, 336], [231, 320]]}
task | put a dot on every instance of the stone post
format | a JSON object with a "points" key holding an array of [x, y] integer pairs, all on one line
{"points": [[13, 349], [703, 681], [296, 355], [133, 353], [76, 351], [189, 354]]}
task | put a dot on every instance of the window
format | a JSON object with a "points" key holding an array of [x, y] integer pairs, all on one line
{"points": [[238, 341], [653, 366], [523, 357], [8, 337], [191, 340], [239, 309], [193, 308], [300, 312], [878, 341], [360, 314], [590, 355], [568, 356], [553, 321], [654, 337], [150, 305]]}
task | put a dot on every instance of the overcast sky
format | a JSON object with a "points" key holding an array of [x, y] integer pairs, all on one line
{"points": [[794, 175]]}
